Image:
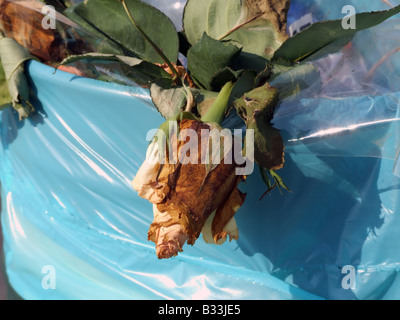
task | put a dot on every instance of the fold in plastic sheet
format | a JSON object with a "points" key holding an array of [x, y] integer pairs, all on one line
{"points": [[67, 203]]}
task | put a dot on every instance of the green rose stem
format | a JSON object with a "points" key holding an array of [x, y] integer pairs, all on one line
{"points": [[217, 111], [158, 50]]}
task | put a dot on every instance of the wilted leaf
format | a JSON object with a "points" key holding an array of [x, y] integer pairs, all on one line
{"points": [[268, 145], [258, 102], [13, 56], [256, 108], [110, 18], [321, 34], [169, 101]]}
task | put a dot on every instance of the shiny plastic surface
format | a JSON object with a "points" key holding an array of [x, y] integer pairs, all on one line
{"points": [[67, 203]]}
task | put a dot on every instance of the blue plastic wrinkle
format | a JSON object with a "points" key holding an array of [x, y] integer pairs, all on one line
{"points": [[68, 206]]}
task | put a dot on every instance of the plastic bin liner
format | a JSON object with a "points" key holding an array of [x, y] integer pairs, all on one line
{"points": [[68, 206]]}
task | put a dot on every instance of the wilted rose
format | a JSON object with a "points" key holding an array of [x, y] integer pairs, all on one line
{"points": [[189, 197]]}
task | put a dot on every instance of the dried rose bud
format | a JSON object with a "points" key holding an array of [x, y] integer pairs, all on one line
{"points": [[186, 195]]}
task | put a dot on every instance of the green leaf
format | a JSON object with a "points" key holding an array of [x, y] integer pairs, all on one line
{"points": [[140, 71], [13, 57], [257, 26], [258, 103], [173, 100], [214, 17], [268, 145], [109, 18], [5, 97], [98, 39], [223, 76], [169, 102], [256, 108], [290, 81], [207, 58], [263, 76], [321, 34], [244, 83]]}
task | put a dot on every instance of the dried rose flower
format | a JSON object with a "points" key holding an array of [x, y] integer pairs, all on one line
{"points": [[187, 195]]}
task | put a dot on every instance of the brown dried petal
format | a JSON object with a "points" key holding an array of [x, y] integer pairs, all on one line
{"points": [[225, 214], [168, 235], [192, 194], [25, 26]]}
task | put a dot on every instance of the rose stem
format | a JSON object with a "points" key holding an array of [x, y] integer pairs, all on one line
{"points": [[217, 111], [157, 49]]}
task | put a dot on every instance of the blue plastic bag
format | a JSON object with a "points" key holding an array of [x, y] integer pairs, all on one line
{"points": [[75, 229]]}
